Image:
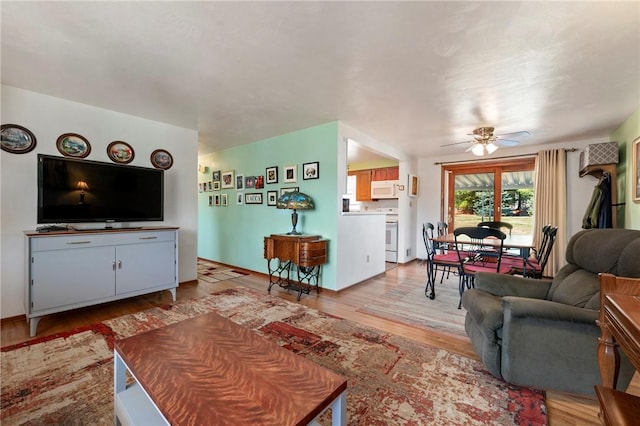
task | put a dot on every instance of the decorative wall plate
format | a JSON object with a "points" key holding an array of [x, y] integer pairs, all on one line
{"points": [[161, 159], [120, 152], [16, 139], [73, 145]]}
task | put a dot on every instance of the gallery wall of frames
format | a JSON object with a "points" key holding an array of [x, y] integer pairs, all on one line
{"points": [[248, 189]]}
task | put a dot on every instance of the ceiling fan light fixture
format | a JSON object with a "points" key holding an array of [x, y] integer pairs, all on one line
{"points": [[491, 148], [478, 149]]}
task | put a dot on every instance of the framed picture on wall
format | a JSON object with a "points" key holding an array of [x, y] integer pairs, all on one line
{"points": [[250, 182], [272, 198], [272, 174], [216, 175], [253, 198], [227, 179], [636, 169], [239, 182], [290, 174], [290, 189], [240, 198], [413, 186], [216, 185], [311, 170], [224, 200]]}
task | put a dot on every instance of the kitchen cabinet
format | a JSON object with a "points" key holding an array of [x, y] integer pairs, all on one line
{"points": [[363, 184], [385, 173]]}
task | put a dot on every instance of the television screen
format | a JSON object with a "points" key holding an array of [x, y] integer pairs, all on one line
{"points": [[72, 190]]}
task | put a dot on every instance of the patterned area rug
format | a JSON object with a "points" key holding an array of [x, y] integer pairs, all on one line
{"points": [[406, 303], [68, 378], [213, 272]]}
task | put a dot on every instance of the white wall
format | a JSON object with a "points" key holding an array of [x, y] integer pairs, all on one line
{"points": [[47, 118], [407, 207], [579, 190]]}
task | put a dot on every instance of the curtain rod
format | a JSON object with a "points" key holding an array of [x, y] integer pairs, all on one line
{"points": [[444, 163]]}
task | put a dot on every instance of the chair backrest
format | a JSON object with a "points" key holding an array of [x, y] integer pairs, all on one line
{"points": [[427, 235], [476, 250], [551, 239], [442, 229], [543, 243], [496, 225]]}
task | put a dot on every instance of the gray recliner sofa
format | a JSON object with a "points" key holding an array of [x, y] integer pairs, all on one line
{"points": [[543, 333]]}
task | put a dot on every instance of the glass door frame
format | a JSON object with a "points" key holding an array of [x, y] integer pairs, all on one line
{"points": [[497, 167]]}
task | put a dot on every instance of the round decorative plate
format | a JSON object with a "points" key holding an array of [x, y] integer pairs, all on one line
{"points": [[73, 145], [16, 139], [120, 152], [161, 159]]}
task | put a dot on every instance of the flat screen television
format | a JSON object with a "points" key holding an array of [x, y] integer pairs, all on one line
{"points": [[72, 190]]}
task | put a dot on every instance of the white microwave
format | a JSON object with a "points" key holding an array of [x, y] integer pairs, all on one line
{"points": [[381, 189]]}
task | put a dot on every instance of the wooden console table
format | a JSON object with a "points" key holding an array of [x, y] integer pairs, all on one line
{"points": [[620, 324], [307, 252], [210, 370]]}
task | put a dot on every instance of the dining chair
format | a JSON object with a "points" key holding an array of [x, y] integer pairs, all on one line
{"points": [[443, 248], [497, 225], [476, 255], [533, 267], [435, 259]]}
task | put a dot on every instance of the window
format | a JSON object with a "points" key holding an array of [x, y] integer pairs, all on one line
{"points": [[472, 192]]}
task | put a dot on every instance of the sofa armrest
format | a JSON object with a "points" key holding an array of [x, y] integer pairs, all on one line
{"points": [[510, 285], [550, 345], [520, 307]]}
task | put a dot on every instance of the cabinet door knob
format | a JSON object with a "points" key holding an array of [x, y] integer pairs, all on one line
{"points": [[119, 264], [113, 265]]}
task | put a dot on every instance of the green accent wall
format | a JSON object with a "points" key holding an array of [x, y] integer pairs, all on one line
{"points": [[234, 234], [625, 135]]}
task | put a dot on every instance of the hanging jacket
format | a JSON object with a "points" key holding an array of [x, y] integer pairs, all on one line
{"points": [[605, 213], [590, 219]]}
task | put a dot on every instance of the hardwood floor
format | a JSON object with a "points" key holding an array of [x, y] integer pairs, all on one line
{"points": [[563, 409]]}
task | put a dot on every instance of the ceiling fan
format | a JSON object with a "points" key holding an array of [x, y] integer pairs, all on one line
{"points": [[485, 142]]}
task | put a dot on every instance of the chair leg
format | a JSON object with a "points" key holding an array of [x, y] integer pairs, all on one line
{"points": [[461, 284]]}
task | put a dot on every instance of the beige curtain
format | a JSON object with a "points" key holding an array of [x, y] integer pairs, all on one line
{"points": [[551, 203]]}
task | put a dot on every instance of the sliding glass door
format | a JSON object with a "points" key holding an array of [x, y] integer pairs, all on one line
{"points": [[490, 192]]}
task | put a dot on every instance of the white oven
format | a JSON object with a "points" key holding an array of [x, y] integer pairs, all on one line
{"points": [[391, 242]]}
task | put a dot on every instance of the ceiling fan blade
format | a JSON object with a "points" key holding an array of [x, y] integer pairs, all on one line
{"points": [[470, 148], [506, 142], [455, 143], [515, 134]]}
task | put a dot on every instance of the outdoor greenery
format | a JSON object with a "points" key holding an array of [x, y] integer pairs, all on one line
{"points": [[516, 202], [473, 207]]}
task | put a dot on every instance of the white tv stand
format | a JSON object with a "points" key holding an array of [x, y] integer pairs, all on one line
{"points": [[73, 269]]}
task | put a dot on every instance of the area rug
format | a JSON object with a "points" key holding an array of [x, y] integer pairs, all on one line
{"points": [[406, 303], [68, 378]]}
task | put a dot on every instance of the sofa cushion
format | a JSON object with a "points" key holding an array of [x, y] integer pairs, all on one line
{"points": [[629, 261], [599, 250], [576, 289]]}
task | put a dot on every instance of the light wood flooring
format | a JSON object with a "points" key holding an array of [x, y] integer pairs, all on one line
{"points": [[563, 409]]}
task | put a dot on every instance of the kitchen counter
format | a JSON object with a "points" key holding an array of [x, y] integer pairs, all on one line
{"points": [[362, 213]]}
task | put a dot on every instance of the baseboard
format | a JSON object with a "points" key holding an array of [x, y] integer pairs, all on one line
{"points": [[10, 320]]}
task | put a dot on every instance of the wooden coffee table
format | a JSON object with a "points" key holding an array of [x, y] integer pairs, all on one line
{"points": [[209, 370]]}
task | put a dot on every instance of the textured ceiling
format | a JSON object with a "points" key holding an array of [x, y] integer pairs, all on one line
{"points": [[415, 75]]}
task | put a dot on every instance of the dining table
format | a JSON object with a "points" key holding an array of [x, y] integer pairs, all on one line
{"points": [[520, 242]]}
